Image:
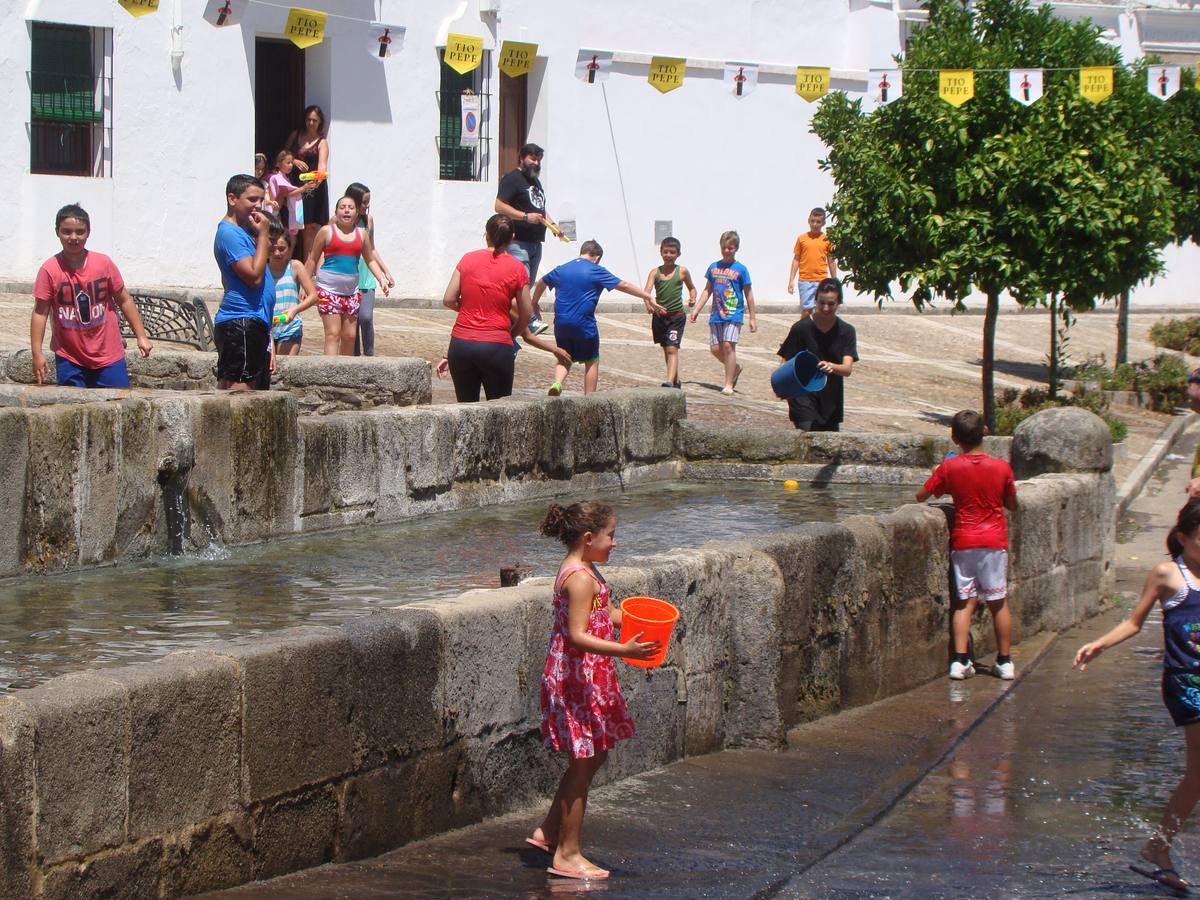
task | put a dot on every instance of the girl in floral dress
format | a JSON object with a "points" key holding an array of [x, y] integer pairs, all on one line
{"points": [[583, 712]]}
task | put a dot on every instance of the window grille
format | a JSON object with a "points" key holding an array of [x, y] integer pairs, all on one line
{"points": [[457, 163], [70, 89]]}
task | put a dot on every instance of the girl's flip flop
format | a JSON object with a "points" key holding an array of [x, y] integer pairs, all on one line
{"points": [[544, 846], [581, 874], [1168, 878]]}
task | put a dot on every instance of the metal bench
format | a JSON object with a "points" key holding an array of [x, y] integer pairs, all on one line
{"points": [[177, 321]]}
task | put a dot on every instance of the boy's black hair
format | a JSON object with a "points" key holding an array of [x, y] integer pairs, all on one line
{"points": [[530, 150], [238, 184], [275, 228], [829, 286], [817, 211], [591, 248], [671, 242], [967, 428], [72, 211]]}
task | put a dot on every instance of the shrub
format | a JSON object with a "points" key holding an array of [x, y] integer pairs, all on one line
{"points": [[1013, 408], [1177, 334], [1161, 382]]}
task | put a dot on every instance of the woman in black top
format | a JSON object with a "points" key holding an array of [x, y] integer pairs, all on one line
{"points": [[310, 152]]}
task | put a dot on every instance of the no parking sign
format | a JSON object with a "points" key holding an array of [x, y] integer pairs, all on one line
{"points": [[470, 121]]}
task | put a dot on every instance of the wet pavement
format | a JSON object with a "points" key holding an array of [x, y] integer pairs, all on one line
{"points": [[982, 788]]}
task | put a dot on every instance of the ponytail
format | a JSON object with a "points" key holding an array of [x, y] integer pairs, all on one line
{"points": [[569, 523], [1186, 524], [499, 232]]}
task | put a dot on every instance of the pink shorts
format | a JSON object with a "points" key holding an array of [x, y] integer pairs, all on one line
{"points": [[338, 304]]}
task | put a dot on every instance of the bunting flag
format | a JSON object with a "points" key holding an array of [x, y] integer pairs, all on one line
{"points": [[1163, 81], [139, 8], [666, 73], [224, 12], [516, 58], [1096, 83], [1025, 85], [812, 83], [305, 27], [463, 53], [593, 66], [741, 78], [470, 121], [956, 86], [384, 41], [886, 85]]}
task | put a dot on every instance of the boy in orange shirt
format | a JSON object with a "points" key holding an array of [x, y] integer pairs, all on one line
{"points": [[812, 260]]}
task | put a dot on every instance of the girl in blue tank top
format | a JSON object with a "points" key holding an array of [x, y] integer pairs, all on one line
{"points": [[1175, 585]]}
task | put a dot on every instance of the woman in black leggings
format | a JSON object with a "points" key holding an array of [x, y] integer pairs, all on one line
{"points": [[482, 290]]}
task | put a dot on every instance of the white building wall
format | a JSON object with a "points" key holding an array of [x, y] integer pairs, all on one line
{"points": [[695, 156]]}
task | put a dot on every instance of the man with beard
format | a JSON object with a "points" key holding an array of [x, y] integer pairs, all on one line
{"points": [[521, 198]]}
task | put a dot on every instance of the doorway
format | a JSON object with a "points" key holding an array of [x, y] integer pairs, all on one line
{"points": [[514, 120], [279, 93]]}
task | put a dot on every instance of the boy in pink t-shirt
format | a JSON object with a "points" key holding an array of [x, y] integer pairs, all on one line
{"points": [[982, 488], [82, 288]]}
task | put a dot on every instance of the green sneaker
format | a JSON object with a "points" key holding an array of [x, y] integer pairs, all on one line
{"points": [[555, 390]]}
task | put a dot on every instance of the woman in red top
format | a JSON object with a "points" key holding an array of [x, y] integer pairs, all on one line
{"points": [[482, 290]]}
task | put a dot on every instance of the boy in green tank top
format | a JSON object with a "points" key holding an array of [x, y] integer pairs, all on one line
{"points": [[667, 283]]}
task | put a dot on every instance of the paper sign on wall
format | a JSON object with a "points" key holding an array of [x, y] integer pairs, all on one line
{"points": [[812, 83], [1163, 81], [224, 12], [516, 58], [741, 78], [1025, 85], [886, 85], [1096, 83], [470, 121], [464, 52], [666, 73], [305, 27], [956, 86], [384, 41], [593, 65], [139, 7]]}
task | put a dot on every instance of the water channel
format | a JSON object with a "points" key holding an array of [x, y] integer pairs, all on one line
{"points": [[63, 623]]}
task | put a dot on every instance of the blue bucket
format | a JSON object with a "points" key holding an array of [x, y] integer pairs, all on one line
{"points": [[799, 375]]}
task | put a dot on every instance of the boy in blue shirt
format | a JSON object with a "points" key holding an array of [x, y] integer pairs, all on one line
{"points": [[727, 281], [577, 285], [242, 327]]}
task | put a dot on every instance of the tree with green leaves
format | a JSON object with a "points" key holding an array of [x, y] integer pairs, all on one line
{"points": [[1062, 198]]}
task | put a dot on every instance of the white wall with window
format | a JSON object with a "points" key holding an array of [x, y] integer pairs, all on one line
{"points": [[170, 109]]}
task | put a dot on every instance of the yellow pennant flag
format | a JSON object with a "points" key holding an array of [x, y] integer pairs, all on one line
{"points": [[666, 73], [305, 27], [812, 83], [464, 52], [517, 58], [139, 7], [1096, 83], [956, 86]]}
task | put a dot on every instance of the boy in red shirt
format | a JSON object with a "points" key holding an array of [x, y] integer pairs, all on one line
{"points": [[81, 288], [982, 488]]}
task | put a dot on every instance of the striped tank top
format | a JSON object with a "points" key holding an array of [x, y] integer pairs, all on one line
{"points": [[339, 273], [286, 296]]}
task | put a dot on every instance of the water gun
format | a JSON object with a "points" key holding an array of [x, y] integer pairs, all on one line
{"points": [[316, 176], [280, 319], [554, 229]]}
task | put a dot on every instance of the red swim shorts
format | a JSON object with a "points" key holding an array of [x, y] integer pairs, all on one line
{"points": [[338, 304]]}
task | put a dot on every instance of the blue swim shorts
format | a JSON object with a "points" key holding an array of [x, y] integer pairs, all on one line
{"points": [[114, 375]]}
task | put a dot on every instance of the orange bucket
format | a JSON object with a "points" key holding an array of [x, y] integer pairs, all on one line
{"points": [[655, 619]]}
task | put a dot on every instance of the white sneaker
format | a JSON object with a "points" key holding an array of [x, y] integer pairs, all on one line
{"points": [[1005, 671], [537, 326], [959, 671]]}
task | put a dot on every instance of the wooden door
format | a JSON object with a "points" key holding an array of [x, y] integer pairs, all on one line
{"points": [[514, 119]]}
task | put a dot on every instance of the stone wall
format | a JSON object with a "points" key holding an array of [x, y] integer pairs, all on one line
{"points": [[249, 759], [321, 384], [126, 474]]}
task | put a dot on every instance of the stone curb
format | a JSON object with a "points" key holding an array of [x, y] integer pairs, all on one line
{"points": [[1132, 486]]}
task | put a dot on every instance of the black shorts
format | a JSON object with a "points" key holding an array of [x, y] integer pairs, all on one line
{"points": [[244, 352], [668, 330], [1181, 694]]}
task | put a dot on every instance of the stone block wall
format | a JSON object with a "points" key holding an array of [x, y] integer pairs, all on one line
{"points": [[321, 384], [249, 759]]}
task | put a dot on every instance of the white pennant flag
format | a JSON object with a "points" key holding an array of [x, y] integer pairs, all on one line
{"points": [[886, 85], [224, 12], [1025, 85], [593, 66], [1163, 81], [385, 41], [741, 78], [470, 121]]}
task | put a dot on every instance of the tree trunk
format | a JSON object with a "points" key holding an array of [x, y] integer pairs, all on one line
{"points": [[1122, 328], [989, 360], [1053, 346]]}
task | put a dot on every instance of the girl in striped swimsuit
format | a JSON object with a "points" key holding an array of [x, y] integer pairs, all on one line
{"points": [[343, 243]]}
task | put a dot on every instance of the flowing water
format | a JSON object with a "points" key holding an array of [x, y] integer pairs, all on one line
{"points": [[50, 625]]}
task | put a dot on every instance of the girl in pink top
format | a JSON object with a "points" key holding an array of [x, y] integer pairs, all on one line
{"points": [[583, 712], [284, 195]]}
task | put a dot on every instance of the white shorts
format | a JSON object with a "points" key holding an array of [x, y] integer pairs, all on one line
{"points": [[719, 332], [980, 573]]}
